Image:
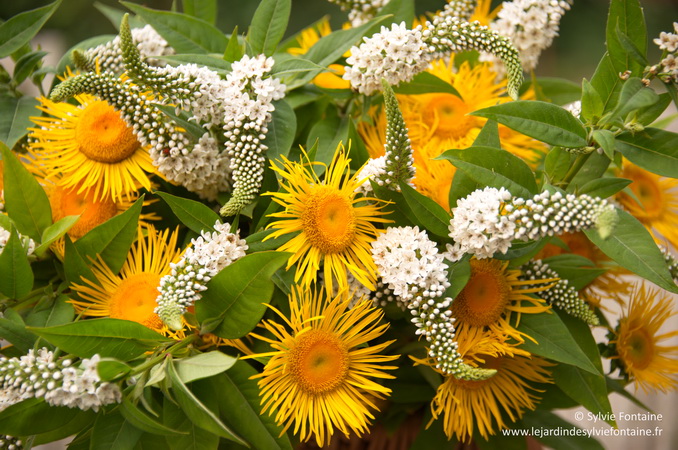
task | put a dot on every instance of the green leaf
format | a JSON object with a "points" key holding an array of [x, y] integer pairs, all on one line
{"points": [[184, 33], [557, 90], [495, 168], [401, 10], [112, 239], [329, 132], [16, 275], [15, 116], [199, 414], [546, 420], [595, 167], [203, 365], [607, 83], [606, 140], [604, 187], [139, 419], [194, 215], [458, 275], [20, 29], [281, 131], [587, 389], [430, 214], [112, 432], [16, 334], [634, 95], [632, 247], [240, 407], [34, 416], [557, 163], [202, 9], [54, 232], [26, 65], [193, 130], [235, 299], [645, 116], [75, 265], [591, 104], [425, 83], [543, 121], [654, 150], [631, 49], [110, 369], [625, 16], [554, 340], [196, 438], [462, 185], [268, 25], [81, 421], [234, 49], [114, 338], [25, 200], [488, 136], [51, 312]]}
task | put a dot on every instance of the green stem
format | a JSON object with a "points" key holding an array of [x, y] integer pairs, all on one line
{"points": [[163, 354], [538, 93], [576, 167]]}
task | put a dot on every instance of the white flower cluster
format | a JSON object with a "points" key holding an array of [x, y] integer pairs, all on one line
{"points": [[360, 11], [574, 108], [10, 443], [381, 296], [28, 243], [561, 294], [40, 375], [373, 170], [395, 54], [209, 254], [488, 220], [531, 25], [409, 263], [109, 55], [668, 43], [671, 263]]}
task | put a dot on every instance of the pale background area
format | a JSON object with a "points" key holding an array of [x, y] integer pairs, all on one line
{"points": [[665, 404]]}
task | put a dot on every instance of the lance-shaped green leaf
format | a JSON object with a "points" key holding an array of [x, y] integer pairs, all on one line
{"points": [[591, 103], [239, 403], [113, 432], [235, 299], [202, 9], [424, 83], [495, 168], [20, 29], [430, 214], [195, 439], [653, 149], [632, 247], [281, 130], [51, 311], [607, 83], [606, 140], [25, 200], [543, 121], [16, 275], [194, 215], [626, 17], [139, 419], [53, 232], [268, 25], [488, 136], [25, 67], [203, 365], [112, 239], [184, 33], [604, 187], [114, 338], [234, 50], [34, 416], [546, 420], [553, 340], [634, 95], [199, 414], [15, 332], [15, 116]]}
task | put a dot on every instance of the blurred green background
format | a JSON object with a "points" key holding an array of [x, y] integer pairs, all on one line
{"points": [[574, 54]]}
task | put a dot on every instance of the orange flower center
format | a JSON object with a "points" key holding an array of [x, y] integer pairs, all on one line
{"points": [[92, 211], [103, 136], [639, 349], [329, 220], [485, 296], [319, 361], [134, 299], [446, 114]]}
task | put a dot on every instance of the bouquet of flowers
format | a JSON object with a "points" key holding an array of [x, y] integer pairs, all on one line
{"points": [[374, 237]]}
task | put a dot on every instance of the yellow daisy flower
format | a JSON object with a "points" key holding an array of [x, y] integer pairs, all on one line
{"points": [[492, 295], [655, 204], [484, 405], [91, 147], [439, 121], [648, 364], [319, 375], [331, 224], [131, 294]]}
